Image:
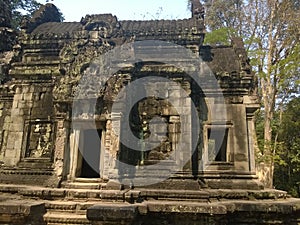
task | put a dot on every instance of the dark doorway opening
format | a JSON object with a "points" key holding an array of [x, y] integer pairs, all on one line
{"points": [[217, 145], [91, 150]]}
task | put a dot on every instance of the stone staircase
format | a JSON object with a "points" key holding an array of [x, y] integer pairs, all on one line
{"points": [[67, 212], [66, 205], [69, 206], [72, 210]]}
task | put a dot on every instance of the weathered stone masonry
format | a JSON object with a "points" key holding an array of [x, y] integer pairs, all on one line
{"points": [[37, 132], [42, 130]]}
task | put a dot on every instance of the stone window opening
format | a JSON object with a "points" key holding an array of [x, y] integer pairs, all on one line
{"points": [[217, 143]]}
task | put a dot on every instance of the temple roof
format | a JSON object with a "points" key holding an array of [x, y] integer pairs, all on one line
{"points": [[57, 28], [130, 27], [42, 24], [162, 27], [47, 44]]}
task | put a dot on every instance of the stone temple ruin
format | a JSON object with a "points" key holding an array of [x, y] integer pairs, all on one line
{"points": [[66, 153]]}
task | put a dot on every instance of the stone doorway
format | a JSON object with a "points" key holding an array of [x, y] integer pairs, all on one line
{"points": [[89, 153], [86, 150]]}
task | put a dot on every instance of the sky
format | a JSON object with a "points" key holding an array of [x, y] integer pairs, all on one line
{"points": [[73, 10]]}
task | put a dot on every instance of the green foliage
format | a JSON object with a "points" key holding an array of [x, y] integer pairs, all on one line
{"points": [[287, 170], [221, 36], [274, 144], [22, 8], [286, 155], [222, 13], [289, 74]]}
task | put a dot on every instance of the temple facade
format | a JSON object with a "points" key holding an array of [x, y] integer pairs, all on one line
{"points": [[127, 111], [44, 133]]}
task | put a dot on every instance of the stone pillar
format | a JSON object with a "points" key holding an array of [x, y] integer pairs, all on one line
{"points": [[16, 126], [110, 153], [6, 101], [251, 107], [113, 133], [73, 154], [63, 143], [241, 156], [61, 146], [250, 129]]}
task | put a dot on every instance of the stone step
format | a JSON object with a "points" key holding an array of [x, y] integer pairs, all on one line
{"points": [[68, 218], [72, 206], [84, 185], [89, 180], [70, 194], [60, 223], [144, 174]]}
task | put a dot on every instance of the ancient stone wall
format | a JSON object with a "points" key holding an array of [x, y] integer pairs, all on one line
{"points": [[39, 106]]}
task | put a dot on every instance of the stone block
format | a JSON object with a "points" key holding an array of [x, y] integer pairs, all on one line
{"points": [[162, 93], [174, 94], [16, 127], [176, 102], [22, 212], [240, 157], [174, 119], [118, 213], [158, 128], [15, 112], [18, 144], [21, 104], [18, 90], [19, 97], [10, 142], [174, 128], [174, 137], [15, 104], [25, 88], [32, 89], [186, 137], [6, 126]]}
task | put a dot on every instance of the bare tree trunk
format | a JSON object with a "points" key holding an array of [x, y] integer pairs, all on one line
{"points": [[268, 95]]}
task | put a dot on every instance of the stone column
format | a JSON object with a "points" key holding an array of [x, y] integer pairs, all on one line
{"points": [[250, 110], [112, 142], [62, 150], [16, 125], [73, 154], [6, 101]]}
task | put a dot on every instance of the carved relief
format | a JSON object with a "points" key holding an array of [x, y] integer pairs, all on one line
{"points": [[39, 142]]}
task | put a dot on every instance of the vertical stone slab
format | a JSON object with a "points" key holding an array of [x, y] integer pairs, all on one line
{"points": [[16, 128], [62, 131], [107, 159], [241, 154], [251, 107], [6, 101], [74, 146]]}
